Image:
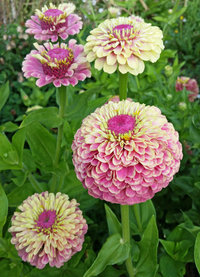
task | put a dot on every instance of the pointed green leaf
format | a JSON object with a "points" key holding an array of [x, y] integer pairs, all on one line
{"points": [[47, 116], [41, 142], [147, 264], [3, 208], [79, 103], [18, 141], [114, 226], [10, 126], [113, 251], [18, 195], [4, 94], [145, 211], [197, 252]]}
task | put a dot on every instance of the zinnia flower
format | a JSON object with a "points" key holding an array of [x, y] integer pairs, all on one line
{"points": [[125, 152], [190, 85], [60, 64], [124, 43], [54, 22], [49, 229]]}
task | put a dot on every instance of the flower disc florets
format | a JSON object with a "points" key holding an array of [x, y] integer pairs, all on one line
{"points": [[125, 152], [54, 22], [49, 229], [61, 64], [124, 43]]}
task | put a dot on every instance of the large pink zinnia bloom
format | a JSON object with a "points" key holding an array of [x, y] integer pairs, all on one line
{"points": [[49, 229], [125, 152], [61, 64], [54, 22], [190, 85]]}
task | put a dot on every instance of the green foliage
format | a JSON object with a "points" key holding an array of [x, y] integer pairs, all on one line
{"points": [[113, 251]]}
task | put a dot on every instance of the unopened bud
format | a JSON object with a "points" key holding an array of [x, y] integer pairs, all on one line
{"points": [[168, 70], [182, 106]]}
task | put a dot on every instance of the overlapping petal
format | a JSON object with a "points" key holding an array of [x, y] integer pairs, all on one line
{"points": [[129, 167], [48, 229], [124, 43]]}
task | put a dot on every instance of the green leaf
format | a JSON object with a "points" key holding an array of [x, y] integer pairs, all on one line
{"points": [[18, 195], [114, 226], [18, 141], [3, 208], [7, 250], [147, 264], [4, 94], [112, 272], [47, 116], [47, 271], [72, 186], [197, 252], [145, 211], [10, 126], [170, 267], [9, 158], [113, 251], [10, 269], [42, 143], [79, 103], [75, 259]]}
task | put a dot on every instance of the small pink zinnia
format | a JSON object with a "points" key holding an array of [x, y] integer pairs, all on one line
{"points": [[49, 229], [54, 22], [61, 64], [190, 85], [125, 152]]}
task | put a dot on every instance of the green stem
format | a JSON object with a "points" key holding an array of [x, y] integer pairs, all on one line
{"points": [[137, 216], [62, 93], [123, 78], [93, 14], [126, 237], [137, 82], [32, 179], [166, 27]]}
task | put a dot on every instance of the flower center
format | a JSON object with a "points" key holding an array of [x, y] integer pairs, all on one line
{"points": [[58, 60], [46, 219], [53, 19], [121, 124], [123, 31]]}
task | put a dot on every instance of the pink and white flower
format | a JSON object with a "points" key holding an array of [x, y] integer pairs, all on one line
{"points": [[125, 152], [190, 85], [49, 229], [58, 64], [54, 22], [124, 43]]}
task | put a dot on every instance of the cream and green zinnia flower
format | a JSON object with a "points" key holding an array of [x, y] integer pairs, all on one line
{"points": [[124, 43]]}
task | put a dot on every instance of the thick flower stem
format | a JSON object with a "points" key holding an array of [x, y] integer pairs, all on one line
{"points": [[123, 78], [126, 236], [62, 93]]}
